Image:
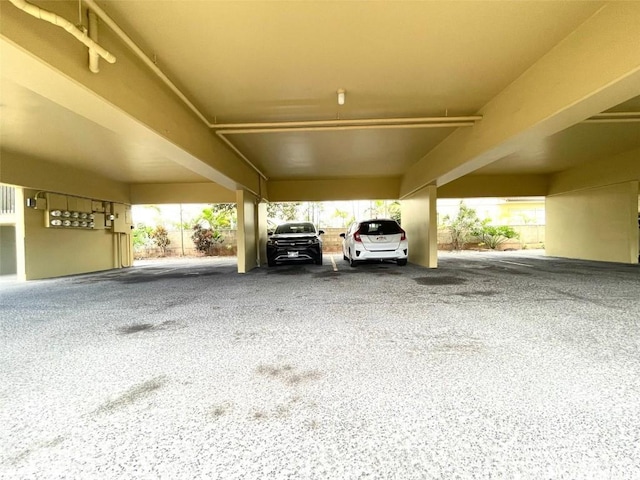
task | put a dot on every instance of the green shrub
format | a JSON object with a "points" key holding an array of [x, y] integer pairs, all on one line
{"points": [[493, 236], [205, 239], [160, 238]]}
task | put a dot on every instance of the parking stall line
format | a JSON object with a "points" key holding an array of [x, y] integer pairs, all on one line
{"points": [[516, 263], [333, 262]]}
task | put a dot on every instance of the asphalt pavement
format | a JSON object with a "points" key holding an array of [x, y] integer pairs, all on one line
{"points": [[495, 365]]}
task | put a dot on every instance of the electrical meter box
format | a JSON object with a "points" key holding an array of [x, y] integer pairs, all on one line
{"points": [[122, 221]]}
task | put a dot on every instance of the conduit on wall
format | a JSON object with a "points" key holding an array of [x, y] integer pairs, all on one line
{"points": [[61, 22]]}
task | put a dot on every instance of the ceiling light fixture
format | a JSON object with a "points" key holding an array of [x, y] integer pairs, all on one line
{"points": [[341, 93]]}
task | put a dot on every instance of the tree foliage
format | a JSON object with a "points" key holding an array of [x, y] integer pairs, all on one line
{"points": [[283, 211], [218, 216], [141, 235], [160, 237], [462, 227], [205, 239]]}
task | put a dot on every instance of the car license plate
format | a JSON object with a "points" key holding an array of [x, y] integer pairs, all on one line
{"points": [[292, 254]]}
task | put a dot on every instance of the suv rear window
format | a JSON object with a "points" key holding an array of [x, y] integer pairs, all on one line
{"points": [[379, 228]]}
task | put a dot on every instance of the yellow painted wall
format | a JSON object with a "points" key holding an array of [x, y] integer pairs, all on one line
{"points": [[159, 193], [8, 262], [419, 220], [476, 186], [333, 189], [248, 231], [51, 252], [594, 224]]}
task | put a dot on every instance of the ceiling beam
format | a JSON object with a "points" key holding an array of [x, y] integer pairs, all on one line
{"points": [[594, 68]]}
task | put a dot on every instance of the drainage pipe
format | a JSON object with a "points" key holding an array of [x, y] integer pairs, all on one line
{"points": [[435, 121], [94, 58], [146, 60], [344, 127], [57, 20]]}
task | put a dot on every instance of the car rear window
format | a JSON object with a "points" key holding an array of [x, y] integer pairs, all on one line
{"points": [[379, 228], [296, 228]]}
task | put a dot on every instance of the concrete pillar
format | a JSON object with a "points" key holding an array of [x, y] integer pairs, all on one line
{"points": [[594, 224], [419, 220], [21, 256], [248, 231], [262, 233]]}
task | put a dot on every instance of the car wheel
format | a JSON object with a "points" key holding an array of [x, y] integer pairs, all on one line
{"points": [[352, 262], [344, 257], [402, 262], [271, 263], [318, 260]]}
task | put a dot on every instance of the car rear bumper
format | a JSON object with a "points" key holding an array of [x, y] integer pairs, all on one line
{"points": [[362, 254]]}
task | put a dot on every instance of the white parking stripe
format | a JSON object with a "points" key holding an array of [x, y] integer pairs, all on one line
{"points": [[516, 263], [165, 271], [333, 262]]}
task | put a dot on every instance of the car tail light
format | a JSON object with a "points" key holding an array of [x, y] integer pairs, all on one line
{"points": [[403, 235], [356, 236]]}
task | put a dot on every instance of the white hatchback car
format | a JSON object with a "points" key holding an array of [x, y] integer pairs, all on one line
{"points": [[378, 239]]}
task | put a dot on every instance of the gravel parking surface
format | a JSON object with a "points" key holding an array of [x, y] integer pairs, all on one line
{"points": [[495, 365]]}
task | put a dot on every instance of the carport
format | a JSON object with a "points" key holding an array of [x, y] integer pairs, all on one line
{"points": [[317, 101]]}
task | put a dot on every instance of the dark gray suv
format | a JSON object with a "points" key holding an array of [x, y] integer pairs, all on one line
{"points": [[294, 242]]}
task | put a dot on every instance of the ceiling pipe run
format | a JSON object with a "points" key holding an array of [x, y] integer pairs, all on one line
{"points": [[61, 22], [402, 121], [614, 117], [344, 128]]}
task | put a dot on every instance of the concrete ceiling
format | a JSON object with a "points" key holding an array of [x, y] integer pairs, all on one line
{"points": [[283, 61]]}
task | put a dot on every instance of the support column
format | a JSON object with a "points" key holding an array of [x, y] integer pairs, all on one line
{"points": [[594, 224], [419, 220], [21, 256], [262, 233], [248, 231]]}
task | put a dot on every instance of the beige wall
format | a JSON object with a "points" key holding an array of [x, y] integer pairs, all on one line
{"points": [[55, 252], [8, 262], [419, 220], [333, 189], [159, 193], [474, 186], [248, 231], [51, 252], [594, 224]]}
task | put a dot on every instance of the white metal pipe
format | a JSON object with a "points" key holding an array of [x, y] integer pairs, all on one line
{"points": [[615, 114], [611, 120], [363, 121], [343, 127], [94, 58], [57, 20]]}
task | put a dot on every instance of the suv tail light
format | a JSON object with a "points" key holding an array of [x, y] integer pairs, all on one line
{"points": [[356, 236], [403, 235]]}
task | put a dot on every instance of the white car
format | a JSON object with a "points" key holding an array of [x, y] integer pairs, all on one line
{"points": [[378, 239]]}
